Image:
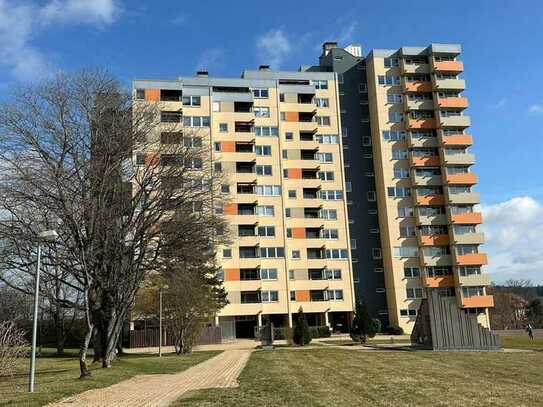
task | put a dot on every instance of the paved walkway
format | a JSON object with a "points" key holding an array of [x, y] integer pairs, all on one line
{"points": [[161, 390]]}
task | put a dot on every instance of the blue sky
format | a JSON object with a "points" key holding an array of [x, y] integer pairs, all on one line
{"points": [[165, 39]]}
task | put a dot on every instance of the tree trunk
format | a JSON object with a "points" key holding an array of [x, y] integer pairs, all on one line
{"points": [[84, 370], [60, 333]]}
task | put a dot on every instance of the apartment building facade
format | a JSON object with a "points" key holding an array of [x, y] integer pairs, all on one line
{"points": [[275, 137], [346, 180], [429, 225]]}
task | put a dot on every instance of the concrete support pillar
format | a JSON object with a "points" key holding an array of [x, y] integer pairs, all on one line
{"points": [[290, 320], [259, 316], [326, 321], [216, 320]]}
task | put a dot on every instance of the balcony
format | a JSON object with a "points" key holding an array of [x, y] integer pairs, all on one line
{"points": [[465, 198], [426, 142], [450, 84], [431, 161], [472, 259], [457, 140], [414, 68], [423, 180], [454, 121], [474, 279], [470, 218], [431, 220], [421, 123], [419, 104], [459, 159], [448, 66], [430, 200], [443, 260], [467, 178], [434, 240], [468, 238], [458, 102], [478, 301], [437, 282], [418, 86]]}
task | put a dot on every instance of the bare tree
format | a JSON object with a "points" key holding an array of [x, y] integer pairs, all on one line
{"points": [[12, 347], [118, 183]]}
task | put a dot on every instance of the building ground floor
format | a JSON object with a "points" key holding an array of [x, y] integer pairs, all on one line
{"points": [[246, 326]]}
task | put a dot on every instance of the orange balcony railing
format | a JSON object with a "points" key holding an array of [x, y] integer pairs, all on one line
{"points": [[467, 218], [436, 282], [467, 178], [422, 123], [434, 240], [471, 259], [457, 140], [418, 86], [432, 161], [460, 102], [434, 200], [478, 301], [449, 66]]}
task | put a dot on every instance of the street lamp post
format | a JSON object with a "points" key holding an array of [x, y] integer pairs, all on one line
{"points": [[164, 287], [45, 236]]}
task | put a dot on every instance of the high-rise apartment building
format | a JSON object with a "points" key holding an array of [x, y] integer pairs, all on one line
{"points": [[275, 137], [347, 180]]}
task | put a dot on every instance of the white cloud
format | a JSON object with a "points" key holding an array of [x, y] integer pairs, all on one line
{"points": [[537, 108], [211, 59], [273, 47], [514, 235], [345, 36], [82, 11], [180, 18], [20, 21], [499, 104]]}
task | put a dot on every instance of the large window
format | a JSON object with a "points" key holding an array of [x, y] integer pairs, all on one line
{"points": [[406, 251], [268, 274], [322, 102], [272, 252], [338, 254], [393, 135], [398, 192], [196, 121], [263, 150], [333, 195], [270, 131], [320, 84], [261, 111], [268, 190], [265, 210], [269, 296], [191, 101], [323, 120], [260, 93], [413, 293], [388, 80]]}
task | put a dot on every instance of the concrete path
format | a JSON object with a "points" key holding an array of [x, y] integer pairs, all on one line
{"points": [[161, 390]]}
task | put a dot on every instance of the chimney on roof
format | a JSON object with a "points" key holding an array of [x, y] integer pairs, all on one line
{"points": [[327, 46], [202, 73], [264, 68]]}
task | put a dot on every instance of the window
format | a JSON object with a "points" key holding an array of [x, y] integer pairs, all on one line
{"points": [[407, 231], [291, 274], [362, 88], [323, 120], [391, 62], [140, 159], [292, 193], [225, 189], [395, 117], [295, 254], [394, 98], [223, 127], [268, 190], [170, 117], [263, 150], [378, 270], [265, 210], [227, 253], [337, 254], [348, 186], [435, 251], [260, 93], [326, 175], [140, 94], [335, 295], [327, 138], [269, 296], [413, 293], [391, 135], [332, 195], [438, 271], [289, 136], [194, 142], [216, 106], [406, 251], [196, 121], [322, 102], [411, 272], [399, 154], [266, 231], [287, 212], [268, 274], [324, 157], [272, 252], [371, 195], [405, 212], [320, 84], [266, 131], [401, 173], [408, 312], [366, 141], [388, 80], [398, 192], [376, 253], [263, 169], [329, 214], [217, 167], [466, 271], [463, 249], [191, 100], [473, 291], [332, 274], [217, 146], [380, 290], [329, 234]]}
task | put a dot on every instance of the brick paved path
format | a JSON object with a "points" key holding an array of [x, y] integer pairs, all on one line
{"points": [[160, 390]]}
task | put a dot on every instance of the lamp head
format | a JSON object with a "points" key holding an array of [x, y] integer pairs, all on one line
{"points": [[48, 236]]}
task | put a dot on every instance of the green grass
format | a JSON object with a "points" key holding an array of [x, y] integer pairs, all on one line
{"points": [[522, 342], [57, 377], [343, 377], [349, 342]]}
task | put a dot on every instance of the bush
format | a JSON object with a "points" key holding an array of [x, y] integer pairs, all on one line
{"points": [[12, 346], [377, 324], [363, 327], [319, 331], [393, 330], [301, 334]]}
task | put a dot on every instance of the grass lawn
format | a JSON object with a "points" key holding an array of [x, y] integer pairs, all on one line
{"points": [[57, 377], [343, 377], [349, 342], [522, 342]]}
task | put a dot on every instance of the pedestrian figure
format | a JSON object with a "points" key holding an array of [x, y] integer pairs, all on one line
{"points": [[530, 331]]}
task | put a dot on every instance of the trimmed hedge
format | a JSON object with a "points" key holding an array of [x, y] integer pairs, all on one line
{"points": [[319, 331], [286, 333], [393, 330]]}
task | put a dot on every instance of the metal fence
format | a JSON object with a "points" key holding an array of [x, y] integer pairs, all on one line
{"points": [[149, 337]]}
